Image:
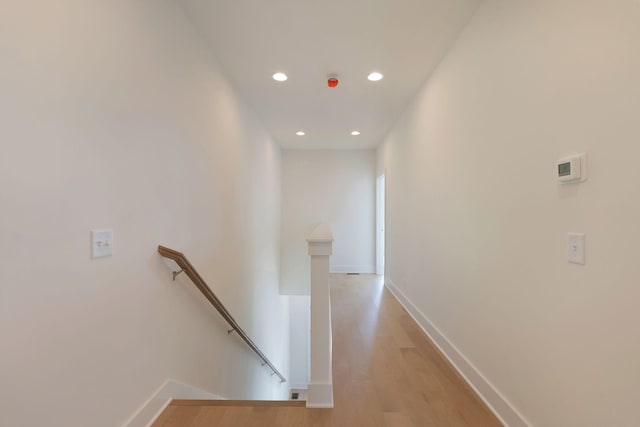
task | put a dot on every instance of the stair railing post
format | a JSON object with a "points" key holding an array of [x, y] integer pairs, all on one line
{"points": [[320, 389]]}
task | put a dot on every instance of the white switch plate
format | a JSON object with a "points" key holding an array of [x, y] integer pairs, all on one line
{"points": [[575, 248], [101, 243]]}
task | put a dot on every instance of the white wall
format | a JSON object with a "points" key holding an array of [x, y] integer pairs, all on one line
{"points": [[477, 223], [327, 186], [300, 321], [113, 114]]}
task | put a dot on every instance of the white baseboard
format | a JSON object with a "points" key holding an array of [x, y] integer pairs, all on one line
{"points": [[505, 412], [320, 395], [150, 410], [363, 269], [299, 386]]}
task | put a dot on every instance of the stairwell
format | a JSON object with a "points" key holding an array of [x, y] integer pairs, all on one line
{"points": [[387, 373]]}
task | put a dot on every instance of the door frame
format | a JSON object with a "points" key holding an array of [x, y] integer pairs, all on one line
{"points": [[380, 220]]}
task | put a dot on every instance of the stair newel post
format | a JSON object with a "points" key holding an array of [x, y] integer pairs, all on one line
{"points": [[320, 389]]}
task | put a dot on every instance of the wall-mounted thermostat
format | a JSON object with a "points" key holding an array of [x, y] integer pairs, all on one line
{"points": [[572, 168]]}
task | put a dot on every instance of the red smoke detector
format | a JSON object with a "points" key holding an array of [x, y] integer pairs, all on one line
{"points": [[332, 82]]}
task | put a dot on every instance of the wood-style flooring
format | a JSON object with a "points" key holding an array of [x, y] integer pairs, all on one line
{"points": [[386, 373]]}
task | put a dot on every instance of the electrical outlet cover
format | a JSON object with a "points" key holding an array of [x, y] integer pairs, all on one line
{"points": [[575, 248]]}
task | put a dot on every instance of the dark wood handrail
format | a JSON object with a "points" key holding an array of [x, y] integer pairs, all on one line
{"points": [[188, 269]]}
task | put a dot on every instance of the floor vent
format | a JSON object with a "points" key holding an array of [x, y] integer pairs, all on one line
{"points": [[298, 394], [353, 274]]}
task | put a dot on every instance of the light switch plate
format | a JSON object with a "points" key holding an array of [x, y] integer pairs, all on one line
{"points": [[575, 248], [101, 243]]}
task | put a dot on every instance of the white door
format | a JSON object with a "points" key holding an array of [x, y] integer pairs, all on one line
{"points": [[380, 225]]}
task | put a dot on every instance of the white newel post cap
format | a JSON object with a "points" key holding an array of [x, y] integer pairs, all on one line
{"points": [[320, 241]]}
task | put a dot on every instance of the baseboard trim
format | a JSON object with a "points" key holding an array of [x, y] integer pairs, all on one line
{"points": [[299, 386], [240, 403], [505, 412], [151, 409], [363, 269], [320, 395]]}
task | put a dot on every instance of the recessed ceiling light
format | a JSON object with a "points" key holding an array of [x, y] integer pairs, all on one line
{"points": [[375, 76], [280, 77], [355, 133], [300, 133]]}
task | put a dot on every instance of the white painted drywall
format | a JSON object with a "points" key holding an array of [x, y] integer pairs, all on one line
{"points": [[336, 187], [114, 115], [300, 306], [477, 222]]}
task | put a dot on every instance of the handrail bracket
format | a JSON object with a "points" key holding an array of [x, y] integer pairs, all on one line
{"points": [[176, 273]]}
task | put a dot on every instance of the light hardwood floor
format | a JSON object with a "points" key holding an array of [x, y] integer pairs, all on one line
{"points": [[386, 373]]}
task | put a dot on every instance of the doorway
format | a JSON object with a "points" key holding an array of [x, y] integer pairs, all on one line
{"points": [[380, 225]]}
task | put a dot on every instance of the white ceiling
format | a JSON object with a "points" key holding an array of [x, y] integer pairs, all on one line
{"points": [[309, 39]]}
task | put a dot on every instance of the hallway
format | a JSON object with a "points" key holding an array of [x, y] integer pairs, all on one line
{"points": [[385, 373]]}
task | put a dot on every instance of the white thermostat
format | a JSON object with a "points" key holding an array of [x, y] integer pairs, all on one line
{"points": [[572, 168]]}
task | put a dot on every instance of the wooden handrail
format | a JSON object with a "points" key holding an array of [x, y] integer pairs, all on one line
{"points": [[187, 268]]}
